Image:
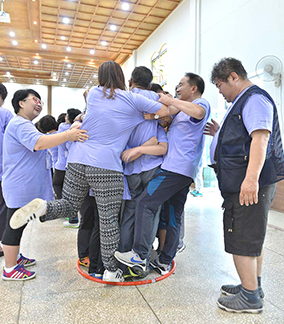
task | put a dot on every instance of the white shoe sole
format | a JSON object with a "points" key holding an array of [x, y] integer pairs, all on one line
{"points": [[251, 311], [15, 279], [32, 210]]}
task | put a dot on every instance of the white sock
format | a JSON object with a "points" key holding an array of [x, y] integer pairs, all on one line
{"points": [[18, 256], [8, 270]]}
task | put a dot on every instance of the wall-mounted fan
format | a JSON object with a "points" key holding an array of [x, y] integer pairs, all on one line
{"points": [[269, 68]]}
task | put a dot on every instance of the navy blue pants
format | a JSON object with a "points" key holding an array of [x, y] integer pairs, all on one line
{"points": [[166, 187]]}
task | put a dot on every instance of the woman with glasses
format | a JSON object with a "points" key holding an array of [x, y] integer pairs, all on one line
{"points": [[26, 167], [112, 114]]}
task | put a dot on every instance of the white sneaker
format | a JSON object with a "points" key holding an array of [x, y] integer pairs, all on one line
{"points": [[67, 224], [29, 212], [113, 276]]}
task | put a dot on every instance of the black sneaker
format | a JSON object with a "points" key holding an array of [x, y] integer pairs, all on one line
{"points": [[239, 304], [230, 290]]}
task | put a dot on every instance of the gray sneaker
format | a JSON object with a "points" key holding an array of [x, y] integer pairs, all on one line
{"points": [[132, 260], [239, 304], [230, 290]]}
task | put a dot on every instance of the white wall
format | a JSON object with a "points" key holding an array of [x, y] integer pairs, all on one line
{"points": [[178, 32]]}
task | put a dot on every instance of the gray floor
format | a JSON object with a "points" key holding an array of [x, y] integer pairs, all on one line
{"points": [[59, 294]]}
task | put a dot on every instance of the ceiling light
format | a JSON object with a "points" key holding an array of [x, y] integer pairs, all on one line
{"points": [[68, 49], [63, 85], [125, 6], [8, 74], [38, 82], [66, 73], [1, 59], [14, 42], [35, 22], [92, 60], [35, 62], [33, 0], [95, 76], [64, 79], [54, 73], [112, 27], [104, 43], [66, 57], [69, 66], [90, 82], [92, 52], [62, 37], [66, 20], [36, 54], [11, 80], [36, 40], [43, 46], [12, 34]]}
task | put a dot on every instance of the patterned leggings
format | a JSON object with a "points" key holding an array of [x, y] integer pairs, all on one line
{"points": [[108, 189]]}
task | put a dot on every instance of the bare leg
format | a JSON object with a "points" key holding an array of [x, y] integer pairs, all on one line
{"points": [[10, 255], [247, 271], [259, 263]]}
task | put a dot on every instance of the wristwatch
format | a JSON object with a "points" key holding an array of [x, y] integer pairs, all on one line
{"points": [[156, 116]]}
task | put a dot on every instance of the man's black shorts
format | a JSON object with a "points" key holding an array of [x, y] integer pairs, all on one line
{"points": [[245, 226]]}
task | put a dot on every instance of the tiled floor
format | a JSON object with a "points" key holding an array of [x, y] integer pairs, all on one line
{"points": [[59, 294]]}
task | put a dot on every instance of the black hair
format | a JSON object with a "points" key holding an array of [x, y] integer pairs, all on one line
{"points": [[142, 76], [61, 118], [72, 114], [20, 95], [222, 70], [156, 88], [110, 76], [47, 123], [196, 80], [3, 91]]}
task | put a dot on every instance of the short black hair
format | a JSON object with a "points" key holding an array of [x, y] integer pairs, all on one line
{"points": [[3, 91], [73, 113], [142, 76], [47, 123], [156, 88], [196, 80], [61, 118], [20, 95], [222, 69]]}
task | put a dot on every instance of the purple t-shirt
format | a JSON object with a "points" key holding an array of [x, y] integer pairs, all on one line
{"points": [[5, 117], [257, 114], [109, 123], [142, 133], [186, 142], [54, 152], [26, 173], [62, 149]]}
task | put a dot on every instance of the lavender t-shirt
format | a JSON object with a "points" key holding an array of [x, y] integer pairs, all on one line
{"points": [[257, 114], [5, 117], [62, 149], [186, 142], [109, 123], [142, 133], [26, 173]]}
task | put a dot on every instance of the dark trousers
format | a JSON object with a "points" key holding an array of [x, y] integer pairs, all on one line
{"points": [[167, 187], [3, 213], [89, 235]]}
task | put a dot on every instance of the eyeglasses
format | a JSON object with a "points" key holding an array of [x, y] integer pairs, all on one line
{"points": [[36, 100]]}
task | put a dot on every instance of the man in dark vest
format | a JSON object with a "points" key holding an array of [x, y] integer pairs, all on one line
{"points": [[247, 155]]}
